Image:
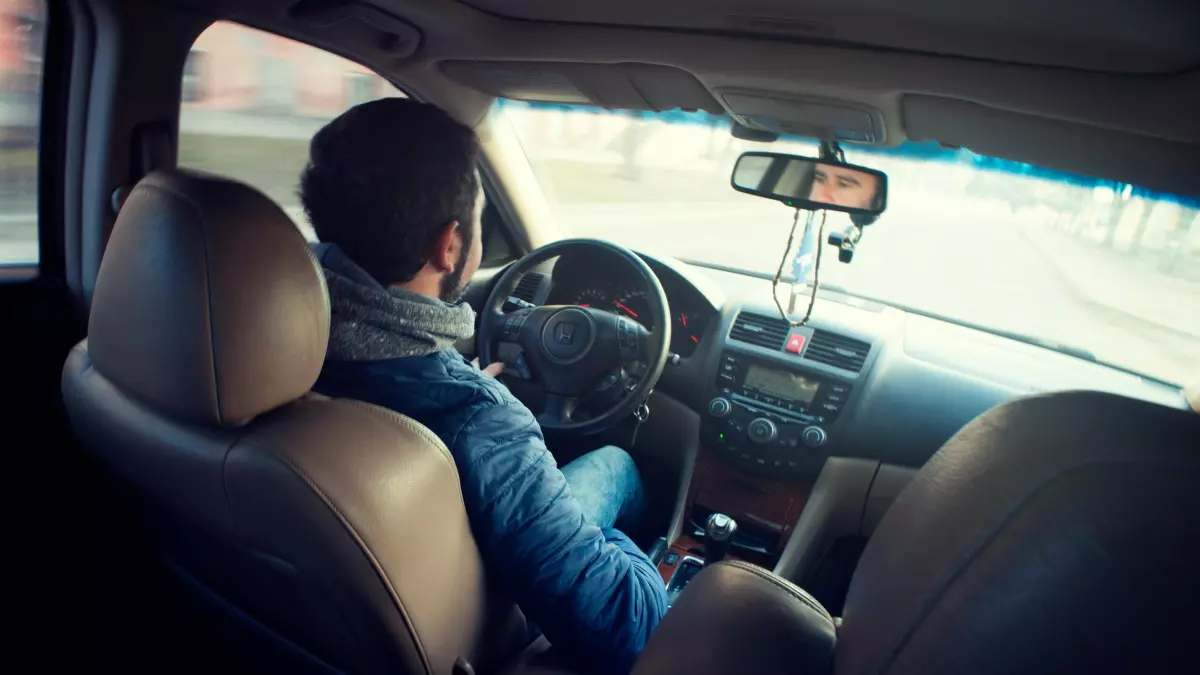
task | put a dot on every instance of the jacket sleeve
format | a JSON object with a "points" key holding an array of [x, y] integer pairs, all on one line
{"points": [[589, 590]]}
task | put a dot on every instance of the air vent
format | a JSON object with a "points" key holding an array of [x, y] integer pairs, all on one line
{"points": [[836, 350], [527, 287], [756, 329]]}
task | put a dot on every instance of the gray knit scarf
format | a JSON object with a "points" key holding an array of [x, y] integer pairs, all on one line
{"points": [[370, 322]]}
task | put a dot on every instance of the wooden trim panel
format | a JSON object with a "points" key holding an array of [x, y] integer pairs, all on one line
{"points": [[764, 503]]}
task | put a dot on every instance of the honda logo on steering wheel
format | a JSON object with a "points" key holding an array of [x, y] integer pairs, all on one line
{"points": [[564, 333]]}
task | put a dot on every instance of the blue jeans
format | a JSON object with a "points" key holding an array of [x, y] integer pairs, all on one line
{"points": [[608, 488]]}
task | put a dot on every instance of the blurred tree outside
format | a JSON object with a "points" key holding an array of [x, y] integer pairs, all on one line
{"points": [[1135, 246], [1122, 194]]}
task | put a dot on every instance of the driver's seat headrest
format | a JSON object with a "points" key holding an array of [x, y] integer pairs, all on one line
{"points": [[209, 304]]}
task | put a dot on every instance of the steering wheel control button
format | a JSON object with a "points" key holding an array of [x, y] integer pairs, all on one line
{"points": [[568, 335], [762, 431], [627, 338], [795, 343], [521, 367], [814, 437], [719, 407], [513, 325]]}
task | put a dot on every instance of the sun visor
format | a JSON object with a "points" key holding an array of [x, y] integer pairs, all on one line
{"points": [[805, 116], [631, 86], [1153, 163]]}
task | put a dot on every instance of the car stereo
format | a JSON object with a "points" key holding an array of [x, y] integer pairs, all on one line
{"points": [[771, 419]]}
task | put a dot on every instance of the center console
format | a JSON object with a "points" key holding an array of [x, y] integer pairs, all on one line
{"points": [[770, 419]]}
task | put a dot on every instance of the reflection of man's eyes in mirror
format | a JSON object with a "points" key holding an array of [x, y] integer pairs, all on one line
{"points": [[848, 181]]}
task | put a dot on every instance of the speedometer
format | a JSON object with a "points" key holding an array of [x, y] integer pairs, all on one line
{"points": [[592, 297], [634, 303]]}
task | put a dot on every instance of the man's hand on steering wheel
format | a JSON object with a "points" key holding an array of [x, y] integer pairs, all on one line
{"points": [[581, 353]]}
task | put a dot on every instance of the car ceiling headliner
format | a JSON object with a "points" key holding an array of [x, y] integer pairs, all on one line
{"points": [[1112, 92]]}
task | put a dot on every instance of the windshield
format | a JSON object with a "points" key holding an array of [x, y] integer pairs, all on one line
{"points": [[1077, 263]]}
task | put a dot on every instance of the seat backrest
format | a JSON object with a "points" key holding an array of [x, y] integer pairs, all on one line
{"points": [[325, 534], [1053, 534]]}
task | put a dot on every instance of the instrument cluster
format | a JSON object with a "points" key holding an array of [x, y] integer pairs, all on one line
{"points": [[621, 294]]}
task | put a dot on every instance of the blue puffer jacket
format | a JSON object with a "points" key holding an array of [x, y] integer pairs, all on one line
{"points": [[590, 590]]}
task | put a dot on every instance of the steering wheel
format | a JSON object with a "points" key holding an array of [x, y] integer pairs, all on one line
{"points": [[581, 353]]}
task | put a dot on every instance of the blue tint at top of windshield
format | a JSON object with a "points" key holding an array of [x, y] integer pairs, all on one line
{"points": [[930, 151]]}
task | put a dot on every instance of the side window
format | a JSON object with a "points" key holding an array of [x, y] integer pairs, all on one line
{"points": [[22, 45], [253, 100], [498, 248]]}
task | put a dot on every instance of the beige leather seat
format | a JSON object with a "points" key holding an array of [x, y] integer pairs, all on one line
{"points": [[322, 535], [1055, 534]]}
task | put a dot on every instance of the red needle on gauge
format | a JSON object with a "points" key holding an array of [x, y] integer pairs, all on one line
{"points": [[625, 309]]}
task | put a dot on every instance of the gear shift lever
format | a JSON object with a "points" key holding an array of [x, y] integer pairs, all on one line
{"points": [[718, 534]]}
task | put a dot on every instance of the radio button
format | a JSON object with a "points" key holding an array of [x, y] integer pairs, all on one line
{"points": [[719, 407], [814, 437], [762, 431]]}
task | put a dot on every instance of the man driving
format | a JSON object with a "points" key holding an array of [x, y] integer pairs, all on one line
{"points": [[841, 186], [392, 191]]}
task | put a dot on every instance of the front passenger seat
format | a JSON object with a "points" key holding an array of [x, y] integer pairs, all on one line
{"points": [[1053, 534], [325, 535]]}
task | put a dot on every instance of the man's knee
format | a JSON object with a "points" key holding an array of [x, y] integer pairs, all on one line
{"points": [[617, 459]]}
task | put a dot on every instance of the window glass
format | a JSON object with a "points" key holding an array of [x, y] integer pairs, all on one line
{"points": [[1103, 270], [253, 100], [22, 41]]}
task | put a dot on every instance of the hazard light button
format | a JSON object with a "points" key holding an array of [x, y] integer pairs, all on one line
{"points": [[795, 344]]}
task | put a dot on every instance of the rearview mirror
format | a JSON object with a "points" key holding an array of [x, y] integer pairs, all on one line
{"points": [[808, 183]]}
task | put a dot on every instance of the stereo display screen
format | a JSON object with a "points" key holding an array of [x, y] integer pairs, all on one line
{"points": [[781, 384]]}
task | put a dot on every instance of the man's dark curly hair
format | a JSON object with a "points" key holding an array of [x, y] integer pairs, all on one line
{"points": [[384, 178]]}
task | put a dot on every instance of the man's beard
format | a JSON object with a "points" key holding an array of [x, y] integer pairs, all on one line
{"points": [[453, 285]]}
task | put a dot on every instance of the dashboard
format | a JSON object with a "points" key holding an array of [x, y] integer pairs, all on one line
{"points": [[861, 379], [757, 410]]}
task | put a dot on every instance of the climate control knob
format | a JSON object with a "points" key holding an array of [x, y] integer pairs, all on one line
{"points": [[761, 431], [814, 437], [719, 407]]}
